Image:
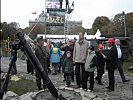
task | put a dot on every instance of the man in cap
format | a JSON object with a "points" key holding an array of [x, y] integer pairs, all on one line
{"points": [[42, 57], [111, 63]]}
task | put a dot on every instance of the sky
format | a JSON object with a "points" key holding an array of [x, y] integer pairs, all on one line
{"points": [[20, 11]]}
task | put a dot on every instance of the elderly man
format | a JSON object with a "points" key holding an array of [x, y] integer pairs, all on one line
{"points": [[120, 60], [79, 57]]}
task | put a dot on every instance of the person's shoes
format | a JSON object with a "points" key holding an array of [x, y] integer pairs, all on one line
{"points": [[77, 86], [72, 80], [89, 90], [39, 89], [81, 88], [54, 74], [68, 85], [96, 79], [126, 81], [107, 87], [14, 73], [28, 73], [44, 87], [32, 73], [100, 83], [64, 80], [109, 90]]}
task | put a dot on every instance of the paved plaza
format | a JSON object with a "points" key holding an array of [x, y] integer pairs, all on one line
{"points": [[123, 91]]}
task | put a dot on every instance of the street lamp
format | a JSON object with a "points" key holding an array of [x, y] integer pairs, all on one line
{"points": [[123, 13]]}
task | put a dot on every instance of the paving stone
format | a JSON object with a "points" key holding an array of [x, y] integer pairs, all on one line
{"points": [[10, 96], [27, 96], [97, 99], [115, 98], [122, 91]]}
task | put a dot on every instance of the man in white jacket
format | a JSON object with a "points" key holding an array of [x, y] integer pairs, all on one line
{"points": [[79, 58]]}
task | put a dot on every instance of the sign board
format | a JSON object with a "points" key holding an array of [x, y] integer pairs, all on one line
{"points": [[56, 19], [53, 4]]}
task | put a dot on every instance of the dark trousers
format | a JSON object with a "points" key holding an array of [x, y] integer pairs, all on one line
{"points": [[79, 73], [39, 81], [68, 78], [30, 68], [54, 68], [111, 79], [85, 79], [121, 70], [72, 76], [14, 69], [100, 72]]}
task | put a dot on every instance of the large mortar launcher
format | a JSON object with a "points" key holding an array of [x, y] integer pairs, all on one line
{"points": [[24, 46]]}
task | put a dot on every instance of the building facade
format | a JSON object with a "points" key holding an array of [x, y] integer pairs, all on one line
{"points": [[55, 23]]}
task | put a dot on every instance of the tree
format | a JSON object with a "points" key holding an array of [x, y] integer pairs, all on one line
{"points": [[113, 27], [9, 30], [99, 23], [129, 23], [5, 32], [38, 29], [76, 30]]}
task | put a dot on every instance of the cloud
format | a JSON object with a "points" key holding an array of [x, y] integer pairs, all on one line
{"points": [[90, 9], [85, 10]]}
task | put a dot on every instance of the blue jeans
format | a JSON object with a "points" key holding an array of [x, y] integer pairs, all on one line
{"points": [[14, 69], [120, 69], [68, 78], [2, 53], [22, 56]]}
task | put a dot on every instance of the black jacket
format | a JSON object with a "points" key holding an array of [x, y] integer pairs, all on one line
{"points": [[112, 59], [68, 48], [100, 59]]}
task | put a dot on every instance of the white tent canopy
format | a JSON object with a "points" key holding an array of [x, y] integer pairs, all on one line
{"points": [[96, 36]]}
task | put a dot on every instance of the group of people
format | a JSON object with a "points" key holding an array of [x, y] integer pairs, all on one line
{"points": [[80, 59], [77, 58]]}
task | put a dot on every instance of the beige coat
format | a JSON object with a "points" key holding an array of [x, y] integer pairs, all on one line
{"points": [[80, 51]]}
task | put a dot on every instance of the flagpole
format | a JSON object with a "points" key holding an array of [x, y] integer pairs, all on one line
{"points": [[45, 20]]}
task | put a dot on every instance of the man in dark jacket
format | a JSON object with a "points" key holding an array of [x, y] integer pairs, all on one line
{"points": [[70, 48], [120, 60], [111, 63], [41, 55]]}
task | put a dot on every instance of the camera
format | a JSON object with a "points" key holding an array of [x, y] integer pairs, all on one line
{"points": [[15, 45]]}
